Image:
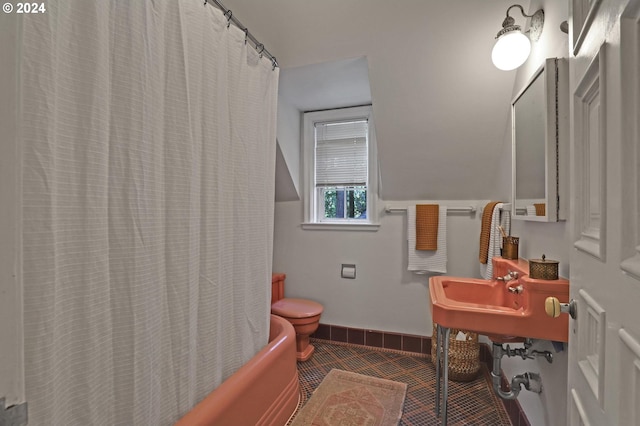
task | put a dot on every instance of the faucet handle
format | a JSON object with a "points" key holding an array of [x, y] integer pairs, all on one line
{"points": [[511, 275], [516, 289]]}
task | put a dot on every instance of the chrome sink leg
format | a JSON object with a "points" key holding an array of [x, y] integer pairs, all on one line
{"points": [[438, 370], [442, 369], [445, 367]]}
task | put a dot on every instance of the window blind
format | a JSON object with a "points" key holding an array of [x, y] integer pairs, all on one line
{"points": [[341, 153]]}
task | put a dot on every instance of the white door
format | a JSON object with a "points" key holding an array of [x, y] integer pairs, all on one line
{"points": [[604, 340]]}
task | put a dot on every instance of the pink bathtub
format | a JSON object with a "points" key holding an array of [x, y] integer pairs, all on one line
{"points": [[264, 391]]}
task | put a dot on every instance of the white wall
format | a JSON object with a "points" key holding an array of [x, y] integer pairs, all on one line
{"points": [[552, 239], [384, 296], [288, 135], [11, 334], [428, 96]]}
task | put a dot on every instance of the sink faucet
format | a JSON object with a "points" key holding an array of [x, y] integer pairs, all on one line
{"points": [[511, 275]]}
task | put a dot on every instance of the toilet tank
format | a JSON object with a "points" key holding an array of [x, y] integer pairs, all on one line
{"points": [[277, 287]]}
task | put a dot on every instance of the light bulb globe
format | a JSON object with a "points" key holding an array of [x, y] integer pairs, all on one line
{"points": [[511, 50]]}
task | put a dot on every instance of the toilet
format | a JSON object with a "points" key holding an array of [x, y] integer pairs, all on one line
{"points": [[303, 314]]}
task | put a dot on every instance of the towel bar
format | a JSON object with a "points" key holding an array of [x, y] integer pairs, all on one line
{"points": [[469, 209]]}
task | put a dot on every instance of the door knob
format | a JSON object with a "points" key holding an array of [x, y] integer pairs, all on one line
{"points": [[554, 308]]}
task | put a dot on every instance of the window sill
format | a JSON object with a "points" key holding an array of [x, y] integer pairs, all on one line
{"points": [[333, 226]]}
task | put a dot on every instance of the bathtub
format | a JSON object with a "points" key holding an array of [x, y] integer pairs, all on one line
{"points": [[264, 391]]}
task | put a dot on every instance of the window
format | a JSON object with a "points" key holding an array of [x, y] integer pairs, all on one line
{"points": [[340, 169]]}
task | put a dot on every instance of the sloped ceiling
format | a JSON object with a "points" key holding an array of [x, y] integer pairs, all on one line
{"points": [[326, 85], [441, 107]]}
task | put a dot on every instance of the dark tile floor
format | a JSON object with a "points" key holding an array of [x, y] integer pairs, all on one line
{"points": [[472, 403]]}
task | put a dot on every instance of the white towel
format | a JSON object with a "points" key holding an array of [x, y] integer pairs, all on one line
{"points": [[502, 218], [531, 210], [422, 261]]}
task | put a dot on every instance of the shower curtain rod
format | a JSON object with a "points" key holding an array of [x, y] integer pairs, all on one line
{"points": [[256, 44]]}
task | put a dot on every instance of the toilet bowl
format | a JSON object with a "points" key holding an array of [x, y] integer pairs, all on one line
{"points": [[303, 314]]}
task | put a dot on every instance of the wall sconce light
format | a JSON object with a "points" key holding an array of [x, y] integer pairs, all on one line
{"points": [[513, 46]]}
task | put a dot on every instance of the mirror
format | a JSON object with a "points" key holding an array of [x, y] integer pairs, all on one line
{"points": [[539, 119]]}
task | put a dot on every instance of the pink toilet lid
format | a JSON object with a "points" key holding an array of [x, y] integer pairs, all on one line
{"points": [[296, 308]]}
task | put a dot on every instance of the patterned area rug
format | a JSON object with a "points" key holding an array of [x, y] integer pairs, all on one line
{"points": [[470, 404], [346, 398]]}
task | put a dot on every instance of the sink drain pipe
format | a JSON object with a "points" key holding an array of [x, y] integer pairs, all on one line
{"points": [[531, 381]]}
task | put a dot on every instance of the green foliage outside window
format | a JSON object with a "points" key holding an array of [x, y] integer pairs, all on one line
{"points": [[353, 207]]}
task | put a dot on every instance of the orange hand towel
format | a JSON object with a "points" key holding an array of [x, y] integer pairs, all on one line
{"points": [[540, 209], [485, 231], [427, 226]]}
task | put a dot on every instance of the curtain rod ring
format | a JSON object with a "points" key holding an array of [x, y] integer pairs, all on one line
{"points": [[230, 13], [260, 46], [246, 35], [274, 63]]}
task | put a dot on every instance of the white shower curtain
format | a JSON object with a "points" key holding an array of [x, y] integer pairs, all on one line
{"points": [[148, 134]]}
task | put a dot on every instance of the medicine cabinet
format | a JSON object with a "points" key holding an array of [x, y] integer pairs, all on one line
{"points": [[540, 140]]}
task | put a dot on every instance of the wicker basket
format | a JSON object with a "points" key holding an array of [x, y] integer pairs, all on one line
{"points": [[464, 355]]}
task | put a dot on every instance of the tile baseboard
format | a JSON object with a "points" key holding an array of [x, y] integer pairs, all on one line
{"points": [[411, 343], [374, 338]]}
